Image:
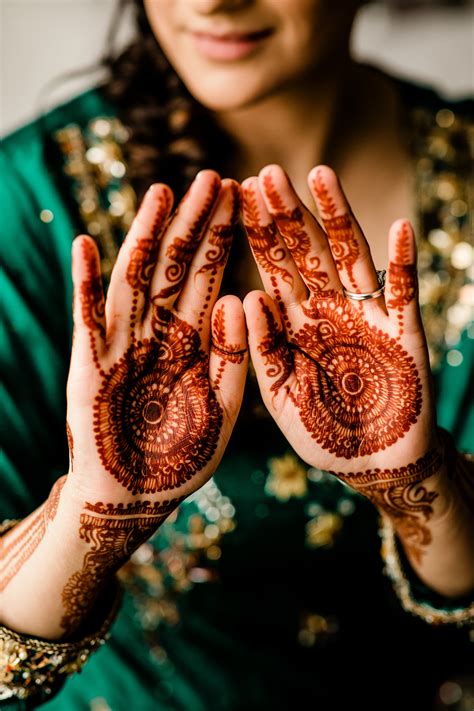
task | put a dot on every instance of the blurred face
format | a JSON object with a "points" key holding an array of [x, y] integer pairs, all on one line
{"points": [[233, 53]]}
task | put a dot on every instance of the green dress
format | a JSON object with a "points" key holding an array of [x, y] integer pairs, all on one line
{"points": [[267, 589]]}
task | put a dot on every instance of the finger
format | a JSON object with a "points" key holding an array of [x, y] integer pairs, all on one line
{"points": [[401, 288], [129, 284], [268, 347], [201, 288], [303, 235], [182, 238], [349, 247], [228, 360], [88, 303], [276, 266]]}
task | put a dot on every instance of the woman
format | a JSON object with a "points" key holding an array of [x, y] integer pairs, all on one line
{"points": [[259, 589]]}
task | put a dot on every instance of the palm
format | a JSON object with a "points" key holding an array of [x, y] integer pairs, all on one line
{"points": [[347, 383]]}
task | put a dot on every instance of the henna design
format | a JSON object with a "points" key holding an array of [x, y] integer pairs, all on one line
{"points": [[181, 250], [400, 494], [263, 239], [291, 225], [93, 307], [359, 391], [274, 350], [230, 353], [113, 533], [220, 239], [403, 277], [70, 443], [156, 419], [22, 545], [91, 292], [344, 246]]}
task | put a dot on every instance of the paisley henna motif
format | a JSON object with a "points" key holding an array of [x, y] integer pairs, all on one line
{"points": [[344, 246], [22, 544], [291, 226], [359, 391], [274, 350], [182, 249], [113, 532], [263, 239], [399, 493]]}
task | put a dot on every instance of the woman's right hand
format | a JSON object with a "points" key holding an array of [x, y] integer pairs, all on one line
{"points": [[155, 385], [158, 369]]}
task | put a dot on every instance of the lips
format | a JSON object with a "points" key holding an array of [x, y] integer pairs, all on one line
{"points": [[229, 46]]}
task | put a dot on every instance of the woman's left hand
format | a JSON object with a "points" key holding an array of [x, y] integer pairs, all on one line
{"points": [[347, 381]]}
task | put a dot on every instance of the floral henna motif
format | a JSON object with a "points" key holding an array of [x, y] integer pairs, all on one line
{"points": [[15, 554], [400, 494], [156, 419], [274, 350], [113, 532], [263, 239], [291, 226], [344, 246], [403, 277], [229, 353], [182, 249], [359, 391]]}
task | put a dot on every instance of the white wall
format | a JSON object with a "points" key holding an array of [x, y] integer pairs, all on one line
{"points": [[40, 39]]}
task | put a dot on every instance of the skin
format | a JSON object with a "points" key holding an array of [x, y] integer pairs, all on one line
{"points": [[162, 345]]}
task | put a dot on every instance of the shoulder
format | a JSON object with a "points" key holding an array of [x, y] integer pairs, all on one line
{"points": [[78, 110]]}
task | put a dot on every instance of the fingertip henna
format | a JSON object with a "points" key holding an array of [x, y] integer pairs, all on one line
{"points": [[403, 281]]}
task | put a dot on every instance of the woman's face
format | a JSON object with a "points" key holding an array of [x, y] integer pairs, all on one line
{"points": [[233, 53]]}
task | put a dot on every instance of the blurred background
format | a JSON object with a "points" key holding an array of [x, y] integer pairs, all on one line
{"points": [[430, 42]]}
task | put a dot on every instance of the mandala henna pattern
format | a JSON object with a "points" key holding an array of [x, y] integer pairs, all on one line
{"points": [[156, 418], [344, 246], [359, 391], [402, 276], [113, 532], [23, 543]]}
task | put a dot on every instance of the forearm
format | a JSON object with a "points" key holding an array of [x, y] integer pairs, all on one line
{"points": [[41, 563], [440, 546]]}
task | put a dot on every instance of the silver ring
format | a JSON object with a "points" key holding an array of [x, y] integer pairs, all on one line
{"points": [[356, 296]]}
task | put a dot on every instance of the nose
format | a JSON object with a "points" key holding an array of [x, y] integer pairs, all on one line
{"points": [[209, 7]]}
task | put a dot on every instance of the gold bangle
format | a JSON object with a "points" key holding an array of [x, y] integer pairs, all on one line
{"points": [[393, 569], [30, 666]]}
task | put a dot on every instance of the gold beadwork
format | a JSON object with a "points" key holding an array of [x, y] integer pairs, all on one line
{"points": [[394, 570], [30, 666]]}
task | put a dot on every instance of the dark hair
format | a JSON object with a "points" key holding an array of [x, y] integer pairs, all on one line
{"points": [[172, 136]]}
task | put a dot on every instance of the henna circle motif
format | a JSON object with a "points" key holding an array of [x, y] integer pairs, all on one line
{"points": [[156, 418], [359, 390]]}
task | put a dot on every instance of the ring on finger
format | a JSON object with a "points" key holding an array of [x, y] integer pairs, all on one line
{"points": [[357, 296]]}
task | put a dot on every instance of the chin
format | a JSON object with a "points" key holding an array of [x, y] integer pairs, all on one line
{"points": [[229, 95]]}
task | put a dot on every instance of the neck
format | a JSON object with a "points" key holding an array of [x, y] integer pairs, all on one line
{"points": [[303, 114]]}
